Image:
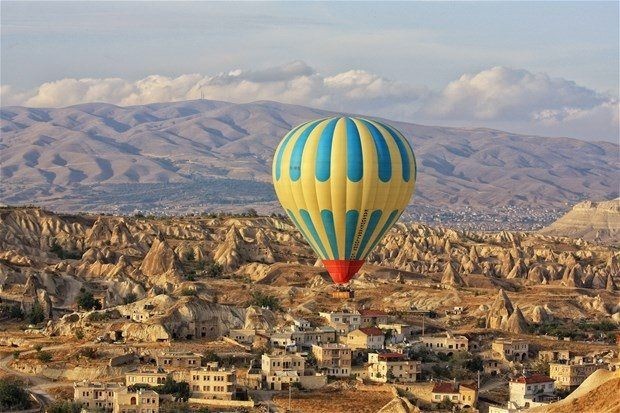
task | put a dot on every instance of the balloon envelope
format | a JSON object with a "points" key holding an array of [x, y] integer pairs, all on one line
{"points": [[344, 182]]}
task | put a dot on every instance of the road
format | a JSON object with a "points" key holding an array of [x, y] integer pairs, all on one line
{"points": [[37, 385]]}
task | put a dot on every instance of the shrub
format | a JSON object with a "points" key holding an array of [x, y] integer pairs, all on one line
{"points": [[16, 354], [102, 316], [64, 406], [214, 269], [188, 292], [44, 356], [89, 352], [14, 311], [64, 254], [210, 356], [179, 389]]}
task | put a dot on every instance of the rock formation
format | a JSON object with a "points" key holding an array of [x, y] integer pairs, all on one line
{"points": [[595, 221], [500, 311]]}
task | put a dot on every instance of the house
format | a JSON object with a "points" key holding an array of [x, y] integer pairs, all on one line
{"points": [[342, 321], [366, 338], [283, 340], [531, 390], [115, 398], [135, 401], [447, 343], [393, 367], [333, 359], [510, 349], [282, 370], [570, 374], [298, 323], [460, 394], [95, 396], [554, 355], [370, 318], [178, 360], [212, 382], [145, 375], [491, 367], [318, 336], [397, 333]]}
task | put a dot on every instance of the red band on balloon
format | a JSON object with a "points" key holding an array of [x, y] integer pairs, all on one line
{"points": [[342, 271]]}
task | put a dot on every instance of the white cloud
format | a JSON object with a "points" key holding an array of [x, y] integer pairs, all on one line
{"points": [[292, 83], [528, 102], [538, 101]]}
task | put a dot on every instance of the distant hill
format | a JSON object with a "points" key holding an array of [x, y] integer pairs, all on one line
{"points": [[593, 221], [98, 155]]}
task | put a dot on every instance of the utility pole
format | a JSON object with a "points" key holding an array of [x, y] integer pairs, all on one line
{"points": [[290, 389]]}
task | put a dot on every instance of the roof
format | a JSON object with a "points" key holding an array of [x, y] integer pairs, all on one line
{"points": [[470, 385], [445, 387], [372, 313], [286, 373], [534, 378], [371, 331]]}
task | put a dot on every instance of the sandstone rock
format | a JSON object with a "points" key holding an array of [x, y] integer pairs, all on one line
{"points": [[160, 259], [500, 311], [517, 323], [451, 277]]}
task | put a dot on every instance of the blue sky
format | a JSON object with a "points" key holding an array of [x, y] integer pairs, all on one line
{"points": [[424, 49]]}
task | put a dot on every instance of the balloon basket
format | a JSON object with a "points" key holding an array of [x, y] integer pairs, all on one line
{"points": [[342, 292]]}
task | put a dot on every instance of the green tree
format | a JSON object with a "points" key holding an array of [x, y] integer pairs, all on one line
{"points": [[44, 356], [36, 315], [190, 255], [266, 300], [214, 270], [13, 396], [130, 298], [16, 312], [86, 301], [210, 356]]}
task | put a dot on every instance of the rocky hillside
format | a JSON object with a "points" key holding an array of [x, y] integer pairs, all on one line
{"points": [[169, 272], [594, 221], [207, 154]]}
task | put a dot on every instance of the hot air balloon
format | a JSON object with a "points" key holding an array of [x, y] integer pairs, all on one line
{"points": [[344, 182]]}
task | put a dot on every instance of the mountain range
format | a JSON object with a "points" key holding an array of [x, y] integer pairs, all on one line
{"points": [[207, 153]]}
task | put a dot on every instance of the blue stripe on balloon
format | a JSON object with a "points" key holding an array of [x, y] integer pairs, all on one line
{"points": [[355, 160], [370, 228], [328, 223], [299, 227], [315, 235], [403, 152], [298, 150], [388, 224], [280, 153], [350, 227], [385, 164], [324, 151]]}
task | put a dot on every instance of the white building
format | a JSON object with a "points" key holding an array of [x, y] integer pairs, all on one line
{"points": [[532, 390]]}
